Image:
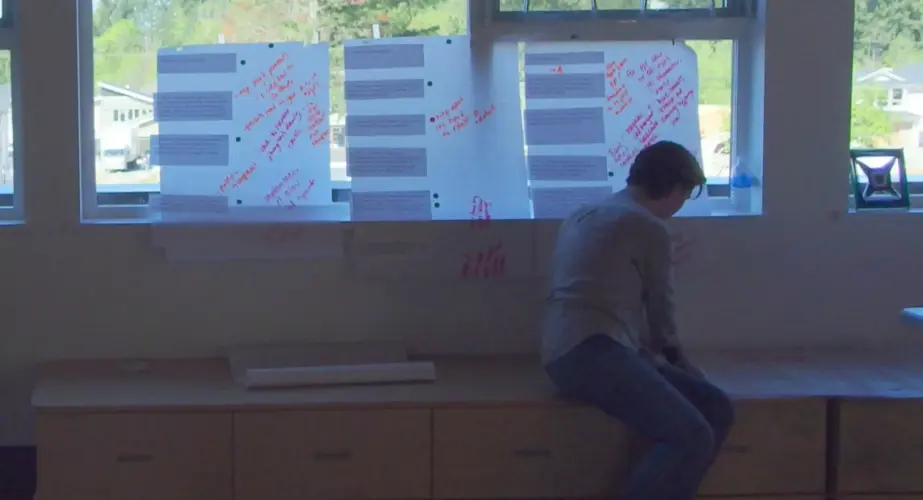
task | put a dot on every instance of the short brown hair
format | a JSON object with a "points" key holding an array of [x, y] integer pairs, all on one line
{"points": [[664, 166]]}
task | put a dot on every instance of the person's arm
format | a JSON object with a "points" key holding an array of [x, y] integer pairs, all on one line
{"points": [[658, 286], [658, 283]]}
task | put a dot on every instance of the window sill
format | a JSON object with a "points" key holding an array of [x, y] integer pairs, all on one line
{"points": [[138, 213], [333, 213]]}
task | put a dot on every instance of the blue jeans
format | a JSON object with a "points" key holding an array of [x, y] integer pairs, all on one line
{"points": [[686, 418]]}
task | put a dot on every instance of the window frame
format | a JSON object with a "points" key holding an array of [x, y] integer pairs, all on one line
{"points": [[736, 22], [733, 9], [485, 28], [10, 42], [6, 20]]}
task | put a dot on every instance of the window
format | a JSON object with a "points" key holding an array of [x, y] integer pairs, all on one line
{"points": [[602, 5], [126, 41], [124, 72], [7, 163], [10, 177], [889, 52]]}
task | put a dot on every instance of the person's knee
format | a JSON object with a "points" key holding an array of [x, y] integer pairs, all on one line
{"points": [[695, 439]]}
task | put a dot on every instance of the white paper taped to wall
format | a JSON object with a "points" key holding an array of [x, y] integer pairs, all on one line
{"points": [[605, 100], [419, 120], [245, 121]]}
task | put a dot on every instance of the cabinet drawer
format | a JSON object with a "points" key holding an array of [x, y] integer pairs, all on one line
{"points": [[150, 456], [772, 497], [555, 452], [873, 496], [776, 446], [881, 446], [293, 455]]}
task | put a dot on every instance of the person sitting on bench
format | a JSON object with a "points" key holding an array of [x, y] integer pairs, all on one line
{"points": [[609, 333]]}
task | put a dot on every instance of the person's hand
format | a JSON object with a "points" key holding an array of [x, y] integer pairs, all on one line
{"points": [[688, 367], [683, 247]]}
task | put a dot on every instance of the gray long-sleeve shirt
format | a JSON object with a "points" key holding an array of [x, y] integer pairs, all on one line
{"points": [[612, 273]]}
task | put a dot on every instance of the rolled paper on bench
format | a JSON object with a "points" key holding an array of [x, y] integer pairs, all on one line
{"points": [[417, 371]]}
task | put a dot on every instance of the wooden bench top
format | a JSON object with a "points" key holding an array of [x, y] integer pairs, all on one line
{"points": [[206, 384]]}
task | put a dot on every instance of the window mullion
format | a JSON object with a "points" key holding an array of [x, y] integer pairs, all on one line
{"points": [[50, 140]]}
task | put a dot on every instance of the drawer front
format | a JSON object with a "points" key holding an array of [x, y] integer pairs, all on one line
{"points": [[181, 456], [772, 497], [881, 446], [355, 454], [561, 452], [873, 496], [776, 446]]}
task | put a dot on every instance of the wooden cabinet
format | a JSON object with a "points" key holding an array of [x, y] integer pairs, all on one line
{"points": [[878, 497], [494, 429], [135, 456], [355, 454], [776, 446], [881, 446], [550, 452]]}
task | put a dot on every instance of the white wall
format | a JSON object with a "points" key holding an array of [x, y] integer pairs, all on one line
{"points": [[790, 277]]}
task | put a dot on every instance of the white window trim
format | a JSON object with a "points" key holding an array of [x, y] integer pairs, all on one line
{"points": [[9, 41], [484, 31], [90, 208]]}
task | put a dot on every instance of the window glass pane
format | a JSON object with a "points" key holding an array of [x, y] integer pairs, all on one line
{"points": [[127, 39], [6, 131], [887, 100], [564, 5], [128, 34], [516, 5], [715, 69], [716, 79]]}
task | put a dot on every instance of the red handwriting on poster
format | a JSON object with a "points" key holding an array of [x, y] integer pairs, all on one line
{"points": [[290, 190], [269, 78], [481, 115], [282, 134], [451, 120], [640, 133], [235, 179], [480, 212], [310, 87], [491, 261], [617, 97], [278, 87], [669, 89], [659, 76], [454, 119], [316, 119]]}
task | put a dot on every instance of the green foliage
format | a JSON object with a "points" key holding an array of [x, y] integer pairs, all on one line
{"points": [[129, 32], [871, 125], [888, 33]]}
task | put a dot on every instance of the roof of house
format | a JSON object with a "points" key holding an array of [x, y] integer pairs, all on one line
{"points": [[108, 89], [911, 74]]}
